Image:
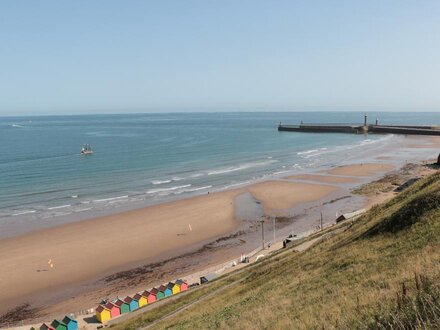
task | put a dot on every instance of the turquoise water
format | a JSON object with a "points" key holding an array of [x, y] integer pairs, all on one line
{"points": [[149, 158]]}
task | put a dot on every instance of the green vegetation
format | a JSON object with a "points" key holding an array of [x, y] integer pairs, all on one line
{"points": [[382, 272]]}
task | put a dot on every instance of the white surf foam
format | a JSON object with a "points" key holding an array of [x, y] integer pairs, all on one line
{"points": [[197, 189], [156, 182], [59, 207], [24, 212], [110, 199], [240, 167], [155, 191]]}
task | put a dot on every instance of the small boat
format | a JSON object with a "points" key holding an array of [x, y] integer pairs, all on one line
{"points": [[86, 150]]}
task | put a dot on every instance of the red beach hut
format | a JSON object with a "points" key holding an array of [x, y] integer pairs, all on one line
{"points": [[182, 284], [151, 297], [114, 309]]}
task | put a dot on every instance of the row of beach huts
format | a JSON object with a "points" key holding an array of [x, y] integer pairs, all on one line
{"points": [[112, 309], [67, 323]]}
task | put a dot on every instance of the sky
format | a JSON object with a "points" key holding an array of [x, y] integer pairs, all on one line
{"points": [[107, 56]]}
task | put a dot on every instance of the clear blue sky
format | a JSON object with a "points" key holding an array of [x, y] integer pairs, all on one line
{"points": [[132, 56]]}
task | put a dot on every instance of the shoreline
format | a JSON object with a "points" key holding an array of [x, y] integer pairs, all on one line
{"points": [[210, 243], [31, 218]]}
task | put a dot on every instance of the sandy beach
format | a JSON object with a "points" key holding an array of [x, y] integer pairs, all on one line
{"points": [[362, 170], [323, 178], [86, 252], [278, 195]]}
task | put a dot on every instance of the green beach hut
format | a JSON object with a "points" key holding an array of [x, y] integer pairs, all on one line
{"points": [[58, 325], [159, 294], [123, 306]]}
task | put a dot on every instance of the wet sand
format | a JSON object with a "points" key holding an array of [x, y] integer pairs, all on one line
{"points": [[279, 195], [323, 178], [362, 170]]}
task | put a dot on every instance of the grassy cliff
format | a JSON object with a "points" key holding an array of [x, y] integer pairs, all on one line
{"points": [[383, 271]]}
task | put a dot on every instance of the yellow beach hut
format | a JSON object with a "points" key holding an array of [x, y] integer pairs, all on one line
{"points": [[103, 314], [174, 287], [142, 301]]}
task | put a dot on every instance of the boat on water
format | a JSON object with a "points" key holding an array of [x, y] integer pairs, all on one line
{"points": [[86, 150]]}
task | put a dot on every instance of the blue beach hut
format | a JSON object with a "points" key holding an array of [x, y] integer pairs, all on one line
{"points": [[71, 323], [132, 303], [166, 290]]}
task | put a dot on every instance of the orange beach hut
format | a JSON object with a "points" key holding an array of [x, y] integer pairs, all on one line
{"points": [[103, 314], [142, 301]]}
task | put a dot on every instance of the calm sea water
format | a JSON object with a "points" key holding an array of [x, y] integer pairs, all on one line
{"points": [[154, 157]]}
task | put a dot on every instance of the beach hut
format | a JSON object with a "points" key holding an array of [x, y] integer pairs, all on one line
{"points": [[150, 296], [167, 291], [103, 314], [123, 306], [45, 326], [142, 301], [174, 287], [159, 294], [71, 323], [132, 303], [58, 325], [114, 310], [182, 285]]}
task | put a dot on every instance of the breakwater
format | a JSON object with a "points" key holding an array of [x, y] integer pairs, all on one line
{"points": [[362, 129]]}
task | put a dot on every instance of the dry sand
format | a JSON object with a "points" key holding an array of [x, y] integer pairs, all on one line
{"points": [[280, 195], [362, 170], [323, 178]]}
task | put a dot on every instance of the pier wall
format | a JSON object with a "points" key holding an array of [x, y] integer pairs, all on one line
{"points": [[319, 129], [379, 129]]}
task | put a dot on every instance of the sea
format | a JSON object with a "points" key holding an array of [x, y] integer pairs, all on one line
{"points": [[145, 159]]}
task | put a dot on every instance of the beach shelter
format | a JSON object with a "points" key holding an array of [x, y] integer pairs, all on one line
{"points": [[71, 323], [174, 287], [45, 326], [159, 294], [167, 291], [150, 296], [182, 285], [58, 325], [123, 306], [114, 310], [103, 314], [208, 278], [132, 303], [142, 301]]}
